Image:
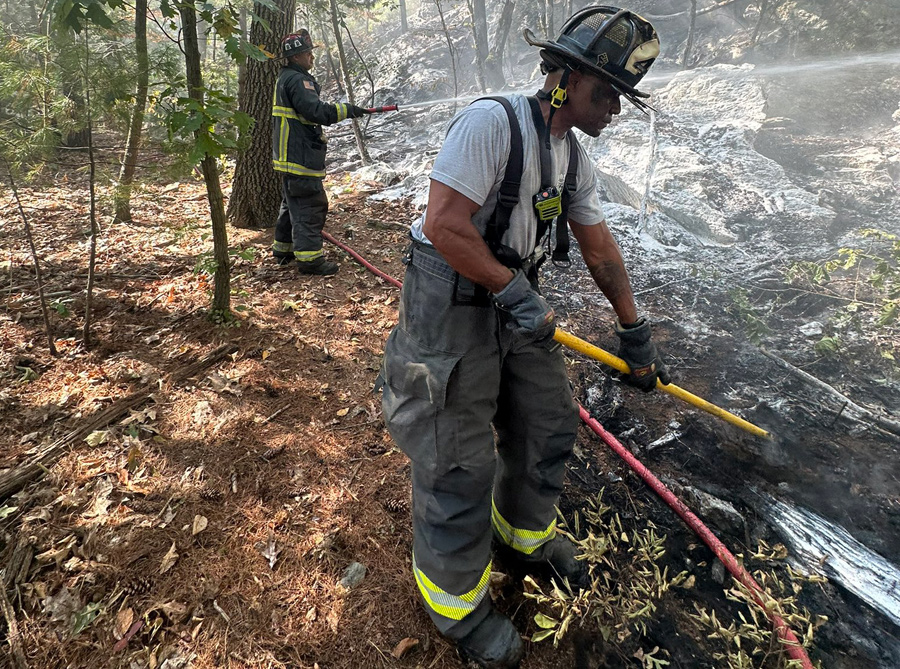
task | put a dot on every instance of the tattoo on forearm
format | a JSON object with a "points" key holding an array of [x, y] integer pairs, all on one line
{"points": [[612, 279]]}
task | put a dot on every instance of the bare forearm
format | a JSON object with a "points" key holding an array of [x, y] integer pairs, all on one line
{"points": [[604, 261], [611, 277], [467, 253], [449, 227]]}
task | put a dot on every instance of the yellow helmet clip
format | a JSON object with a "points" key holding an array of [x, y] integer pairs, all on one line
{"points": [[558, 97]]}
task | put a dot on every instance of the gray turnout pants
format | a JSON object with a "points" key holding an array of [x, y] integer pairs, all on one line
{"points": [[298, 231], [451, 372]]}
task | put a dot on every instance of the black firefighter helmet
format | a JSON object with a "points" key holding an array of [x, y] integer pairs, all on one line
{"points": [[298, 42], [615, 44]]}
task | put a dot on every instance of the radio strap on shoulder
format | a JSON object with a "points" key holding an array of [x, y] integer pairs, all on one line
{"points": [[560, 254], [559, 211]]}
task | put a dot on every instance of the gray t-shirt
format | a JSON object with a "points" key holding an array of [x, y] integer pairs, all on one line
{"points": [[473, 161]]}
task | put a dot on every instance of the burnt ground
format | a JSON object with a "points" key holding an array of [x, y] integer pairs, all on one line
{"points": [[211, 526]]}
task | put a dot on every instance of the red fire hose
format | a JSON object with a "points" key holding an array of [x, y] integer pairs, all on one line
{"points": [[792, 644], [379, 110]]}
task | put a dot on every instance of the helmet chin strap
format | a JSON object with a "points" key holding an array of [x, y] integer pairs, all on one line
{"points": [[557, 98]]}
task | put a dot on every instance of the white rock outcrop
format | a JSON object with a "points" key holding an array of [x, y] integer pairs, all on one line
{"points": [[703, 170]]}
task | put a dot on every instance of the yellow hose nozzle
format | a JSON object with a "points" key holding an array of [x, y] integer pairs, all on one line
{"points": [[576, 344]]}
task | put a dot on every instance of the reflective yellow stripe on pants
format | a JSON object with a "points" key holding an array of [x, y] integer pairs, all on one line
{"points": [[308, 256], [455, 607], [524, 541]]}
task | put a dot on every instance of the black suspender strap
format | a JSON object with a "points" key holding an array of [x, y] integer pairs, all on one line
{"points": [[508, 195]]}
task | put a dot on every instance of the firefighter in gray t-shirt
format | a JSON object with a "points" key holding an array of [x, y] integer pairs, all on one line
{"points": [[473, 351]]}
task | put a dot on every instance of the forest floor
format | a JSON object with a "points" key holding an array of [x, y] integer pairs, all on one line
{"points": [[212, 524]]}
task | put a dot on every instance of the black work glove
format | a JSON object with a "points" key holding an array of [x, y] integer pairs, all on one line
{"points": [[356, 112], [532, 317], [640, 353]]}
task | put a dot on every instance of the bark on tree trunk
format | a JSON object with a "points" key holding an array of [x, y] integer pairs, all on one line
{"points": [[256, 193], [242, 65], [222, 280], [348, 83], [136, 127]]}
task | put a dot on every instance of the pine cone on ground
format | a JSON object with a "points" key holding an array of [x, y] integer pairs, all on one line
{"points": [[208, 494], [137, 585], [397, 506]]}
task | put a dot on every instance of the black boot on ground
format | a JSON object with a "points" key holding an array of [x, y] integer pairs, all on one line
{"points": [[555, 559], [319, 266], [284, 261], [494, 644]]}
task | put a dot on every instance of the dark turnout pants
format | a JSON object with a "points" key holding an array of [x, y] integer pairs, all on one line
{"points": [[298, 231], [450, 373]]}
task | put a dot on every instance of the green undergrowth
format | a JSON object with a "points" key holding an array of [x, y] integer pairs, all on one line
{"points": [[629, 583]]}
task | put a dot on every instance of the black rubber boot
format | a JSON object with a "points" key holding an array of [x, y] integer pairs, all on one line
{"points": [[494, 644], [284, 261], [555, 559], [319, 266]]}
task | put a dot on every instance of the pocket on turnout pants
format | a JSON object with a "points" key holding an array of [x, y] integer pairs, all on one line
{"points": [[415, 392], [303, 186]]}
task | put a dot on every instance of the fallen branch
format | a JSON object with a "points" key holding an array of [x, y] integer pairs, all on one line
{"points": [[17, 478], [850, 408], [12, 633]]}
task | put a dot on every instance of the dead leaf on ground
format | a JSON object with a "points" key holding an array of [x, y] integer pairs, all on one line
{"points": [[169, 560], [270, 551], [404, 647], [97, 437], [200, 523], [124, 618]]}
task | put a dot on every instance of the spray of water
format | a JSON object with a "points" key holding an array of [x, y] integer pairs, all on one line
{"points": [[814, 67], [807, 68]]}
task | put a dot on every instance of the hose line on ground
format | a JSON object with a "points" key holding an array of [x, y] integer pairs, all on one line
{"points": [[792, 644]]}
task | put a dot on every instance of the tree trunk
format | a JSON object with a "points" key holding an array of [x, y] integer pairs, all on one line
{"points": [[348, 83], [404, 25], [548, 10], [92, 254], [764, 6], [222, 289], [242, 65], [479, 29], [686, 59], [495, 78], [256, 193], [39, 277], [332, 68], [451, 51], [136, 127]]}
